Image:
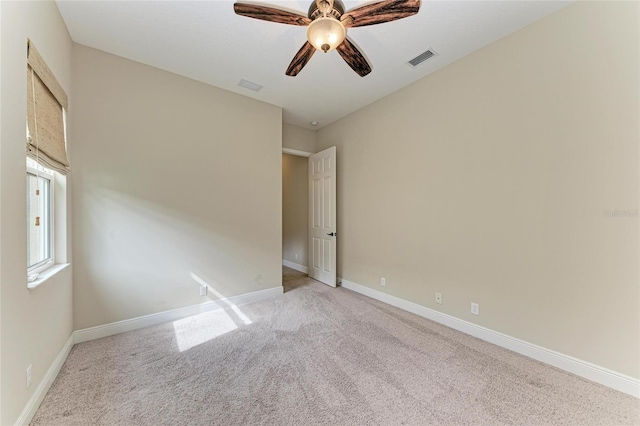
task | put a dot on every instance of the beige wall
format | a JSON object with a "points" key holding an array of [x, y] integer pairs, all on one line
{"points": [[177, 181], [295, 208], [35, 324], [298, 138], [488, 181]]}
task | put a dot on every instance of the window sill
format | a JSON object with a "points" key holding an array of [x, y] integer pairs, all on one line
{"points": [[46, 275]]}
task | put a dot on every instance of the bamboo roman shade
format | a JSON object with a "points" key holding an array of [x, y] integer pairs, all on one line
{"points": [[45, 116]]}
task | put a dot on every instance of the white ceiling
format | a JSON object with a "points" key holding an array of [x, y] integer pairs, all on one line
{"points": [[208, 42]]}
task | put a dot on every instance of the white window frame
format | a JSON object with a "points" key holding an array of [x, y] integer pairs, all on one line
{"points": [[51, 260]]}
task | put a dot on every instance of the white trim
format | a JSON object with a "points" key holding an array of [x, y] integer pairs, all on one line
{"points": [[49, 215], [297, 152], [604, 376], [43, 387], [105, 330], [50, 272], [296, 266]]}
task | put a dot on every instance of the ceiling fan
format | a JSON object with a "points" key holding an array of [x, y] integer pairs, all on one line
{"points": [[327, 25]]}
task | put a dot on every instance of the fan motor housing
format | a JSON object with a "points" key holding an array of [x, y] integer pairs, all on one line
{"points": [[336, 11]]}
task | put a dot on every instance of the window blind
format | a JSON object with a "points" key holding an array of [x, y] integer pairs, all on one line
{"points": [[46, 100]]}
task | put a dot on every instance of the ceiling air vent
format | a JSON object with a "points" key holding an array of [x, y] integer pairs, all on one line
{"points": [[422, 57], [249, 85]]}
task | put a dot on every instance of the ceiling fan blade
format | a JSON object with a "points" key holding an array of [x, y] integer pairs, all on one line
{"points": [[301, 59], [270, 14], [377, 13], [354, 58]]}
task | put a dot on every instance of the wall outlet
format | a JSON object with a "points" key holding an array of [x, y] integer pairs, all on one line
{"points": [[203, 290], [28, 376], [475, 309], [383, 281], [296, 256], [439, 298]]}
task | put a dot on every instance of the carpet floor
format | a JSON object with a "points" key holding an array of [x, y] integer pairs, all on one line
{"points": [[314, 356]]}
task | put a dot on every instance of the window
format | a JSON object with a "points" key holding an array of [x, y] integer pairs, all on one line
{"points": [[47, 165], [39, 217]]}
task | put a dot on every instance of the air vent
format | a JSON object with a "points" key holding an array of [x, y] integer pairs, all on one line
{"points": [[250, 85], [422, 57]]}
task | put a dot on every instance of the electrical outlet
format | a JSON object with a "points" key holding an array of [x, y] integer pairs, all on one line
{"points": [[439, 298], [203, 290], [28, 376], [475, 309], [296, 256], [383, 281]]}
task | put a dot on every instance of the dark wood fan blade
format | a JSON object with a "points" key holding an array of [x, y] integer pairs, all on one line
{"points": [[270, 14], [354, 58], [301, 59], [377, 13]]}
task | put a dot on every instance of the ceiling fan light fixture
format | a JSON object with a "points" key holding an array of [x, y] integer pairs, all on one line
{"points": [[327, 24], [326, 33]]}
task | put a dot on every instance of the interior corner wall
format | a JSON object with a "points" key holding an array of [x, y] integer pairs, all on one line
{"points": [[298, 138], [295, 208], [509, 178], [35, 324], [178, 183]]}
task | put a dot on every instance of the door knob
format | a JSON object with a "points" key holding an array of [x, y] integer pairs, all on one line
{"points": [[333, 234]]}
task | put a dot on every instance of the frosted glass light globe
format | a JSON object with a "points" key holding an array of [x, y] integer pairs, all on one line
{"points": [[326, 33]]}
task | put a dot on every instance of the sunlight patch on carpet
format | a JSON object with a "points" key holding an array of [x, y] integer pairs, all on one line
{"points": [[198, 329], [201, 328]]}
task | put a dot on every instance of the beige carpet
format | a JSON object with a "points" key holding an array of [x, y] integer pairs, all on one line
{"points": [[317, 355]]}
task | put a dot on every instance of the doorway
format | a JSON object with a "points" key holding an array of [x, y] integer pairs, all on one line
{"points": [[309, 228], [295, 215]]}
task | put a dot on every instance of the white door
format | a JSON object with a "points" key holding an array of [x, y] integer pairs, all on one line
{"points": [[322, 216]]}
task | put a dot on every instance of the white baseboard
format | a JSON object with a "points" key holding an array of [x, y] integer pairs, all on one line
{"points": [[297, 267], [604, 376], [105, 330], [43, 387]]}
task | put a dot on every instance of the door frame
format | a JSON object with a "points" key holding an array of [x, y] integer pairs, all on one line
{"points": [[288, 264], [297, 152]]}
